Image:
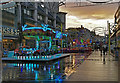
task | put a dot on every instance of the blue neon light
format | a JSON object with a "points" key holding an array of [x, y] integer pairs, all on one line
{"points": [[90, 41], [65, 34], [36, 75], [23, 27], [82, 45], [37, 44], [58, 34], [53, 31], [34, 65], [37, 65], [21, 69], [44, 68], [44, 28], [50, 44]]}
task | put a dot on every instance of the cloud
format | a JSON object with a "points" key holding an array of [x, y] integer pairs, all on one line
{"points": [[91, 12], [73, 21], [89, 16]]}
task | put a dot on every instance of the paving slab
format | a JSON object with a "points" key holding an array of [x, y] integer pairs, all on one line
{"points": [[95, 70]]}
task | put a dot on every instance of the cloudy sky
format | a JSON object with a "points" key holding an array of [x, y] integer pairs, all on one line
{"points": [[89, 16]]}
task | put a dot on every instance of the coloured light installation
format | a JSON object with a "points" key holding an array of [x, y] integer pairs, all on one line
{"points": [[81, 40], [58, 35], [90, 41], [44, 28]]}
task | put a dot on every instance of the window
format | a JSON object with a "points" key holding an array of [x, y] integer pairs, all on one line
{"points": [[25, 11], [11, 10], [40, 17], [49, 21], [42, 5], [28, 12]]}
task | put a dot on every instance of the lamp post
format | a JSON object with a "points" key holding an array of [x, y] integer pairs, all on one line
{"points": [[109, 38]]}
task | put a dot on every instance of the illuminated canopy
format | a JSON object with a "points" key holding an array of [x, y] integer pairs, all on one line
{"points": [[44, 28]]}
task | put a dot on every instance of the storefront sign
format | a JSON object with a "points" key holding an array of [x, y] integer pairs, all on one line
{"points": [[10, 31]]}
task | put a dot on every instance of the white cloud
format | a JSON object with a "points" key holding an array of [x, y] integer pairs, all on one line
{"points": [[73, 21]]}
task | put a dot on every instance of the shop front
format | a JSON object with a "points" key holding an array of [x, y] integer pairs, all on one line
{"points": [[10, 38], [38, 37]]}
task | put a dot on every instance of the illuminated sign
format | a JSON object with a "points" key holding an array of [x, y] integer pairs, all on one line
{"points": [[7, 31], [44, 28]]}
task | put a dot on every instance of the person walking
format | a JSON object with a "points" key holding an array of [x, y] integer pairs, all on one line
{"points": [[101, 48], [104, 52], [104, 49]]}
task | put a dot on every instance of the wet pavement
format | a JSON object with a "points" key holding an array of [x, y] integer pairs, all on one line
{"points": [[78, 67], [47, 71], [93, 69]]}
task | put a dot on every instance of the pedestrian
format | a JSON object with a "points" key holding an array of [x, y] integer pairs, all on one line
{"points": [[104, 49], [101, 48]]}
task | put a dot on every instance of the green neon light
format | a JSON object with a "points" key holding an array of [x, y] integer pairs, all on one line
{"points": [[81, 40], [37, 37]]}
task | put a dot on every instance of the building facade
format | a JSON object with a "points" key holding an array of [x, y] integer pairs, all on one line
{"points": [[9, 31], [17, 14], [117, 27]]}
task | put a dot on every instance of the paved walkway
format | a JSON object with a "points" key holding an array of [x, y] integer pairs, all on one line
{"points": [[93, 69]]}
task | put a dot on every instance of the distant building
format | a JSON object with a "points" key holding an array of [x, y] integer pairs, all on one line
{"points": [[80, 34]]}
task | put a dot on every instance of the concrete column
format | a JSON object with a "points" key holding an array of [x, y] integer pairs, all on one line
{"points": [[16, 17], [20, 21], [46, 16], [19, 13], [54, 22], [35, 13]]}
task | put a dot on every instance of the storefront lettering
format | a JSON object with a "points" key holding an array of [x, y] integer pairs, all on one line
{"points": [[10, 31]]}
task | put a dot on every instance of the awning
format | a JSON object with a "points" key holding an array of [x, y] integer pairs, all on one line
{"points": [[10, 38]]}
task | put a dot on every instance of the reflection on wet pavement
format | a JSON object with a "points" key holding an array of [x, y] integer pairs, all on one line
{"points": [[49, 71]]}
